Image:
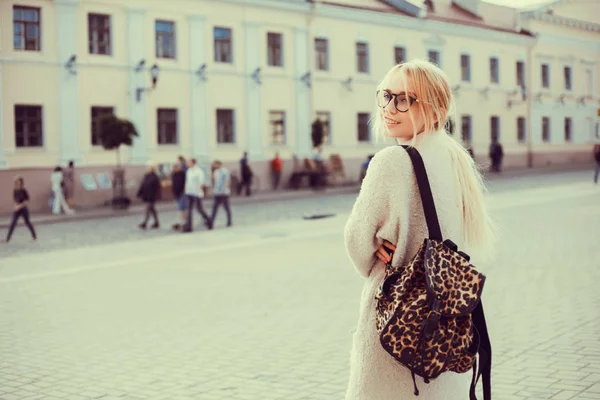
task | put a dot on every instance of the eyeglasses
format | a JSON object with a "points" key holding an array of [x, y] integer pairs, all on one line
{"points": [[402, 102]]}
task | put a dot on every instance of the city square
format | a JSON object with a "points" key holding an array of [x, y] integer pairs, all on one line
{"points": [[266, 309]]}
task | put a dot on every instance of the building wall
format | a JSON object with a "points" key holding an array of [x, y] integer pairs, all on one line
{"points": [[29, 77]]}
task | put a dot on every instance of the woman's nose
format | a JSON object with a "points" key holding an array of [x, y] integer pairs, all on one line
{"points": [[390, 108]]}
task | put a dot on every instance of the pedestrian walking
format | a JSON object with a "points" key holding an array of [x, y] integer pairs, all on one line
{"points": [[178, 189], [597, 158], [386, 229], [194, 190], [59, 203], [221, 191], [149, 193], [69, 183], [276, 168], [21, 199], [247, 175], [496, 154]]}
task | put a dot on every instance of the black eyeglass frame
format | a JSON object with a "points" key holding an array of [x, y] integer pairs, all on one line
{"points": [[394, 96]]}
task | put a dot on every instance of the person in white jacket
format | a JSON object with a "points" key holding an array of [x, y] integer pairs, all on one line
{"points": [[194, 190], [59, 203], [413, 102]]}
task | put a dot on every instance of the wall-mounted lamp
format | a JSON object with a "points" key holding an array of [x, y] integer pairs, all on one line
{"points": [[306, 79], [154, 70], [154, 73], [348, 83], [71, 64], [485, 91], [256, 76], [140, 65], [561, 98], [455, 89], [201, 72]]}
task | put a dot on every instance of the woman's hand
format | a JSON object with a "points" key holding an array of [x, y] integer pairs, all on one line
{"points": [[382, 254]]}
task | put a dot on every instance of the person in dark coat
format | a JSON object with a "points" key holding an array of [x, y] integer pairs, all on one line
{"points": [[21, 198], [149, 193], [247, 174], [496, 154], [178, 189]]}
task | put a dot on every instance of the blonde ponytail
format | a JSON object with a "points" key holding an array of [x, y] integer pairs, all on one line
{"points": [[479, 228]]}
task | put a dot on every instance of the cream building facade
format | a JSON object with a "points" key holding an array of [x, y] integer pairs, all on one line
{"points": [[251, 75]]}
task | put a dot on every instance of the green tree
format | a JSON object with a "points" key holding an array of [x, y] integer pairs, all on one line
{"points": [[113, 133]]}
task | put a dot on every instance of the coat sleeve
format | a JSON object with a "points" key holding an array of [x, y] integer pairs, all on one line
{"points": [[382, 202]]}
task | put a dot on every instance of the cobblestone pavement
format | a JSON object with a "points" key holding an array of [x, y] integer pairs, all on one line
{"points": [[265, 310]]}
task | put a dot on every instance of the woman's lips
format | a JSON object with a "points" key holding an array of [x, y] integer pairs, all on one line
{"points": [[391, 121]]}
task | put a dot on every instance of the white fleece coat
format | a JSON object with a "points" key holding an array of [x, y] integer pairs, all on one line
{"points": [[389, 207]]}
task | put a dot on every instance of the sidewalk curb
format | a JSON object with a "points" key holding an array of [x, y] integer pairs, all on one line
{"points": [[165, 206]]}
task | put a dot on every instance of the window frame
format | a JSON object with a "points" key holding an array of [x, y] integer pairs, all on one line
{"points": [[26, 122], [93, 42], [321, 54], [466, 78], [223, 46], [95, 122], [229, 112], [362, 57], [521, 130], [546, 133], [170, 116], [24, 26], [360, 138], [494, 70], [274, 49], [161, 47]]}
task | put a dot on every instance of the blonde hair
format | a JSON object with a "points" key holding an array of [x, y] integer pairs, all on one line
{"points": [[430, 86]]}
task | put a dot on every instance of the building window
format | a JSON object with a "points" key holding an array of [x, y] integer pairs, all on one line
{"points": [[465, 67], [495, 128], [277, 124], [434, 57], [521, 132], [28, 126], [26, 28], [322, 54], [97, 114], [165, 39], [568, 81], [275, 49], [362, 57], [363, 127], [223, 45], [225, 127], [494, 70], [325, 118], [99, 34], [545, 76], [399, 54], [568, 130], [521, 74], [545, 129], [466, 129], [167, 125]]}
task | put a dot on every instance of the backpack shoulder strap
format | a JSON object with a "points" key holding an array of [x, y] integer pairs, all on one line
{"points": [[433, 224]]}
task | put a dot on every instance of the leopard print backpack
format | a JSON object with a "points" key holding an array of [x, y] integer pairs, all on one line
{"points": [[429, 314]]}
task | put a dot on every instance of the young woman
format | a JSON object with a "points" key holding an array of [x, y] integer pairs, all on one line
{"points": [[59, 203], [21, 198], [413, 101]]}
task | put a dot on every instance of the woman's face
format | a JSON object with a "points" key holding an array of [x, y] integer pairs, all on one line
{"points": [[395, 114]]}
